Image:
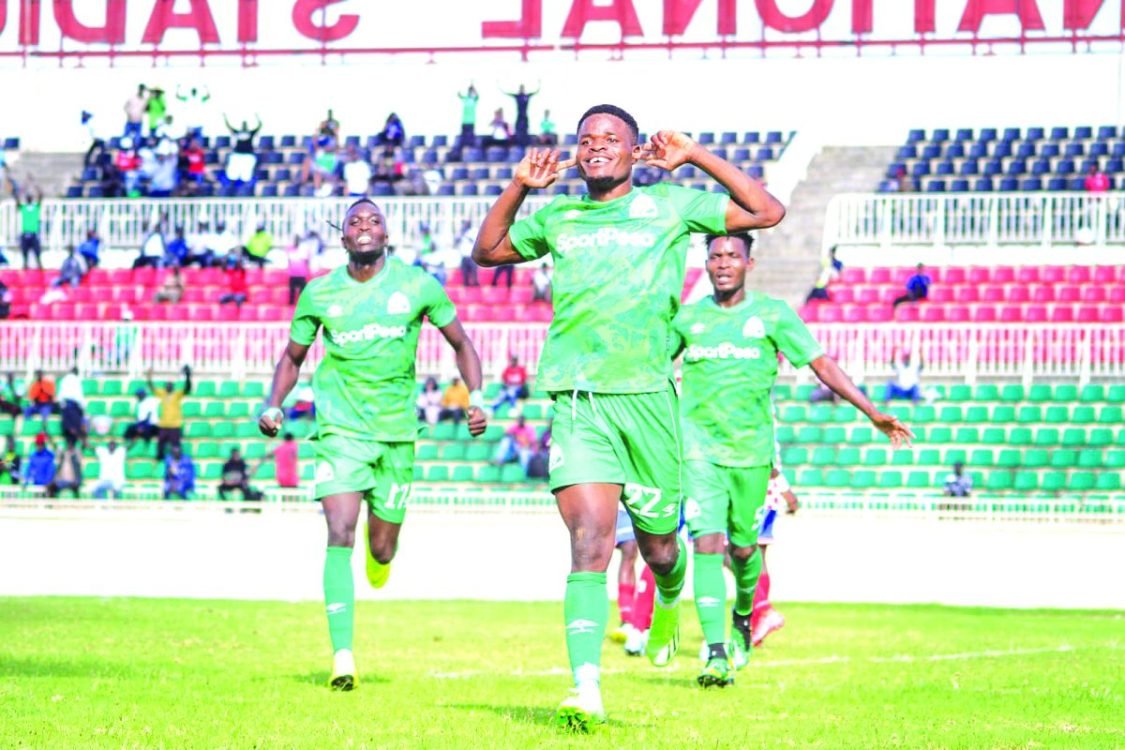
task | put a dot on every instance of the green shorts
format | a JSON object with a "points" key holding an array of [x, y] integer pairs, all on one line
{"points": [[383, 472], [725, 499], [629, 439]]}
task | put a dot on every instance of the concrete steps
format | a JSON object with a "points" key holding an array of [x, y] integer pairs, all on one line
{"points": [[51, 172]]}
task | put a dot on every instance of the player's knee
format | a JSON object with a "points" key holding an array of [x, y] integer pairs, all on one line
{"points": [[743, 553], [590, 550], [662, 558], [710, 544], [341, 533], [383, 551]]}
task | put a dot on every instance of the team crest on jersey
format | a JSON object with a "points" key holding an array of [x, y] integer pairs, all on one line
{"points": [[572, 214], [643, 207], [334, 311], [698, 328], [324, 472], [556, 457], [692, 509], [398, 304], [754, 328]]}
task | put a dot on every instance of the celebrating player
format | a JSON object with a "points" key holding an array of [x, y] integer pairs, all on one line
{"points": [[619, 257], [371, 311], [730, 342]]}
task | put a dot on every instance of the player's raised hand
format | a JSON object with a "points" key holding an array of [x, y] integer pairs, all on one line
{"points": [[269, 423], [667, 149], [477, 421], [541, 167], [889, 425]]}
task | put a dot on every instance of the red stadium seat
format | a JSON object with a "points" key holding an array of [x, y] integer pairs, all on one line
{"points": [[841, 295], [121, 276], [968, 294], [195, 295], [1043, 294], [854, 314], [1062, 314], [941, 294], [146, 276], [1117, 294], [85, 311], [61, 311], [953, 275], [984, 314], [829, 313], [866, 295], [992, 294], [98, 277], [1111, 313], [1011, 314], [522, 295], [1003, 275], [1027, 274], [808, 313], [1093, 293], [275, 277], [979, 275], [1067, 293], [899, 276], [277, 295], [205, 313], [1019, 294], [933, 313], [853, 276], [274, 313], [1078, 274], [957, 313], [494, 294], [34, 277], [111, 311], [1105, 274], [1052, 274], [878, 313], [540, 313], [1087, 314], [1035, 313], [879, 276], [907, 314], [456, 294], [472, 295]]}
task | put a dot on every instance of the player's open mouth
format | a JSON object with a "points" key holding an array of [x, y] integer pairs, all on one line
{"points": [[597, 161], [363, 239]]}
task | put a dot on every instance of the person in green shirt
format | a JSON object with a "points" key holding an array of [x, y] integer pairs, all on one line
{"points": [[371, 313], [469, 116], [548, 135], [30, 207], [619, 256], [258, 246], [730, 343]]}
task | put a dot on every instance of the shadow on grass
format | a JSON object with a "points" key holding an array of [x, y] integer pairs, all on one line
{"points": [[40, 667], [535, 715], [320, 679]]}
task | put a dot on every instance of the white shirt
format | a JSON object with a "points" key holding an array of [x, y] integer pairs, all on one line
{"points": [[907, 375], [111, 465], [465, 244], [70, 389], [541, 280], [154, 245], [357, 177], [148, 410]]}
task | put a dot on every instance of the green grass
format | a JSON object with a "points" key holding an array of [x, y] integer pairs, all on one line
{"points": [[134, 673]]}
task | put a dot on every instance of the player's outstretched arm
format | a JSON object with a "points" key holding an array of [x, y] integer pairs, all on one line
{"points": [[751, 206], [468, 364], [285, 376], [832, 376], [538, 169]]}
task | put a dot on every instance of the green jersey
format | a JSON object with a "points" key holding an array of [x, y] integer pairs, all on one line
{"points": [[729, 367], [29, 217], [468, 108], [619, 273], [364, 387]]}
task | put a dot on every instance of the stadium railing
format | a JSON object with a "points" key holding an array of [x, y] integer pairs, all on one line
{"points": [[962, 351], [977, 219]]}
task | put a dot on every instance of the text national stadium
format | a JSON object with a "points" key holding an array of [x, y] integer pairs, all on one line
{"points": [[441, 374]]}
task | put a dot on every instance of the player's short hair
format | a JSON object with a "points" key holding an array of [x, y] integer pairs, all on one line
{"points": [[747, 240], [610, 109], [360, 202]]}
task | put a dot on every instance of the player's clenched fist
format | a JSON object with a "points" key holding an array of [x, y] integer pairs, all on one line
{"points": [[269, 423], [477, 421]]}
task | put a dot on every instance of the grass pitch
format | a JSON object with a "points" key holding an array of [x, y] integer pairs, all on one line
{"points": [[134, 673]]}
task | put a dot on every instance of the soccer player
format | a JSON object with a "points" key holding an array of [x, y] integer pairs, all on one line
{"points": [[619, 258], [730, 342], [371, 311]]}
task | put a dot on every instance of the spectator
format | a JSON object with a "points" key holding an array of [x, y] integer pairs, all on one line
{"points": [[541, 284], [203, 245], [393, 133], [469, 116], [464, 241], [127, 165], [171, 423], [165, 176], [226, 243], [90, 248], [153, 247], [97, 142], [357, 173], [548, 132], [258, 247], [194, 159], [329, 127], [1097, 181], [242, 160], [146, 152], [10, 396], [321, 166], [513, 384], [298, 261], [5, 301], [73, 269], [917, 287], [72, 403], [176, 252], [285, 462], [507, 270], [454, 402], [10, 462], [429, 402], [156, 108], [68, 473], [907, 382], [236, 285], [135, 107], [41, 398], [31, 208], [39, 470], [518, 444], [390, 167], [111, 470], [172, 290], [829, 271], [522, 98], [236, 476], [902, 182], [179, 474], [124, 336], [958, 484], [822, 393], [499, 132], [304, 407], [192, 109], [148, 415], [539, 465]]}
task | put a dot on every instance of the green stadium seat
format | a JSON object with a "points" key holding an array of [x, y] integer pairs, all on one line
{"points": [[305, 450], [267, 472], [238, 411], [986, 392], [809, 434], [795, 456], [1012, 393], [1064, 459], [824, 455], [782, 392], [848, 456], [462, 473], [206, 449], [510, 473], [437, 473], [197, 430], [254, 389], [248, 430], [1090, 459], [838, 478], [1030, 415], [425, 452], [982, 457], [447, 431], [861, 435], [960, 392], [255, 450], [917, 480], [1099, 437], [803, 392], [902, 412], [924, 414], [950, 414], [795, 413], [532, 411], [1020, 436], [1092, 392], [1110, 415], [1026, 481], [967, 435], [492, 433], [192, 409], [1047, 436], [1074, 437], [478, 451], [90, 470], [1083, 414], [929, 457], [7, 427], [111, 388], [96, 408], [1003, 413], [228, 389], [492, 391], [875, 457], [122, 410], [489, 474], [1039, 393], [784, 433], [1115, 459], [1116, 394], [419, 473], [835, 435], [1057, 414], [452, 452], [993, 436], [956, 455], [890, 480], [998, 480], [1120, 439], [1035, 458], [1108, 482], [222, 430], [1009, 458], [204, 389], [140, 471], [810, 478], [1065, 393], [210, 471], [845, 414], [863, 479], [940, 434], [215, 410], [902, 457], [820, 413], [1082, 481]]}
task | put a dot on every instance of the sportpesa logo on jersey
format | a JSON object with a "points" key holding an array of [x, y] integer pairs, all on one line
{"points": [[604, 237], [725, 350], [369, 332]]}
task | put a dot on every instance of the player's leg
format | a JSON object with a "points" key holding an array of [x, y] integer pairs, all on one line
{"points": [[626, 574], [642, 613], [762, 592], [765, 619], [386, 508], [341, 513], [748, 492]]}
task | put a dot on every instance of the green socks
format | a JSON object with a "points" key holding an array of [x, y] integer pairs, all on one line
{"points": [[339, 597], [711, 597], [669, 586], [586, 609], [746, 574]]}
